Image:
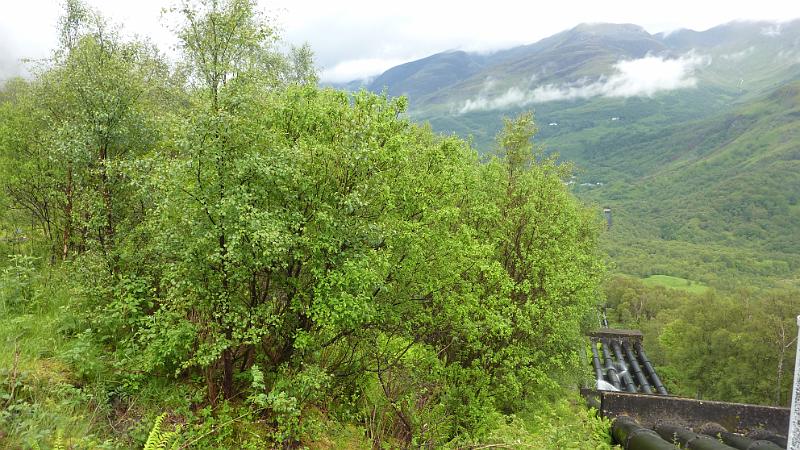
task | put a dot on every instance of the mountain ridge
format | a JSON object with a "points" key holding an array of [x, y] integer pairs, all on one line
{"points": [[692, 136], [609, 42]]}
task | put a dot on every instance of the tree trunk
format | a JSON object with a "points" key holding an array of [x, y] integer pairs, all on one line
{"points": [[108, 232], [780, 377], [227, 373], [211, 385], [67, 235]]}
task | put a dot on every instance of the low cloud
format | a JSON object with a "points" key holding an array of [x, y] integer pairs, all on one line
{"points": [[793, 57], [772, 31], [9, 68], [357, 69], [642, 77], [738, 56], [10, 64]]}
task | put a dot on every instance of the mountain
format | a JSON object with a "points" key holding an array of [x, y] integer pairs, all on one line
{"points": [[690, 136], [425, 76], [717, 199]]}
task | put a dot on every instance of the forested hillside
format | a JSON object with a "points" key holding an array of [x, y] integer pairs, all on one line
{"points": [[217, 253], [690, 137], [214, 251]]}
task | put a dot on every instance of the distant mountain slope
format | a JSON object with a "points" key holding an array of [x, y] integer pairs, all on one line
{"points": [[739, 57], [587, 50], [425, 76], [730, 182], [702, 170]]}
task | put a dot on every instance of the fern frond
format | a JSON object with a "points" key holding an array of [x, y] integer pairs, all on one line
{"points": [[59, 443], [158, 439]]}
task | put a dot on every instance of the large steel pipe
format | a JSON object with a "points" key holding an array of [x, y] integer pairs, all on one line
{"points": [[637, 370], [626, 376], [764, 435], [737, 441], [633, 436], [651, 372], [688, 439], [598, 369], [745, 443], [608, 362]]}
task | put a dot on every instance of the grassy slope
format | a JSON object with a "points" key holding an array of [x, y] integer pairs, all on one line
{"points": [[675, 283], [730, 199]]}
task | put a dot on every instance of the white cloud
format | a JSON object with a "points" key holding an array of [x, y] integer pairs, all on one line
{"points": [[738, 56], [9, 65], [514, 96], [351, 30], [358, 69], [791, 56], [772, 31], [638, 77]]}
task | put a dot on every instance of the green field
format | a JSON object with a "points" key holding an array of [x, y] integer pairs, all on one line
{"points": [[683, 284]]}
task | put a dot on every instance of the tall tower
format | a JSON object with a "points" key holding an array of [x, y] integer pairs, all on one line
{"points": [[607, 214]]}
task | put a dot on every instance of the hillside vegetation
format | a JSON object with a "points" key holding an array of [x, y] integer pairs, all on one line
{"points": [[701, 175], [220, 253], [223, 255], [700, 171]]}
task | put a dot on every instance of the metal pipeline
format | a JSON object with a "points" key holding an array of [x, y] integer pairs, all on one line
{"points": [[745, 443], [689, 439], [637, 371], [650, 371], [608, 361], [737, 441], [633, 436], [765, 435], [626, 376], [598, 369]]}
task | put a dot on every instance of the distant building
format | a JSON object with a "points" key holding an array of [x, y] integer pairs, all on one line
{"points": [[607, 214]]}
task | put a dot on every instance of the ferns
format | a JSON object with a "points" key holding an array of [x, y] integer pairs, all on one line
{"points": [[59, 444], [159, 439]]}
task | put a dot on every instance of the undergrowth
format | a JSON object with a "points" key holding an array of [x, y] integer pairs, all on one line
{"points": [[60, 387]]}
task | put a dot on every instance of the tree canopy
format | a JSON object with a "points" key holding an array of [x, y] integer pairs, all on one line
{"points": [[233, 224]]}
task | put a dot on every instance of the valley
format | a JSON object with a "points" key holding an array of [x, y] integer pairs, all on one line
{"points": [[700, 164], [209, 244]]}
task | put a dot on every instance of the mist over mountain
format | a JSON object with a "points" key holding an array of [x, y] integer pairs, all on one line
{"points": [[608, 60], [10, 66], [690, 136]]}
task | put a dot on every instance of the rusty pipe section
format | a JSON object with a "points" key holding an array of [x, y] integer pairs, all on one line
{"points": [[738, 441], [744, 443], [632, 436], [764, 435]]}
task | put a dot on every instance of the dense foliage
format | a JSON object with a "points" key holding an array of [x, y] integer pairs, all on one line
{"points": [[748, 337], [280, 252], [703, 180]]}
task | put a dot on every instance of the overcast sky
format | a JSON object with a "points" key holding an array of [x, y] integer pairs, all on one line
{"points": [[360, 38]]}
